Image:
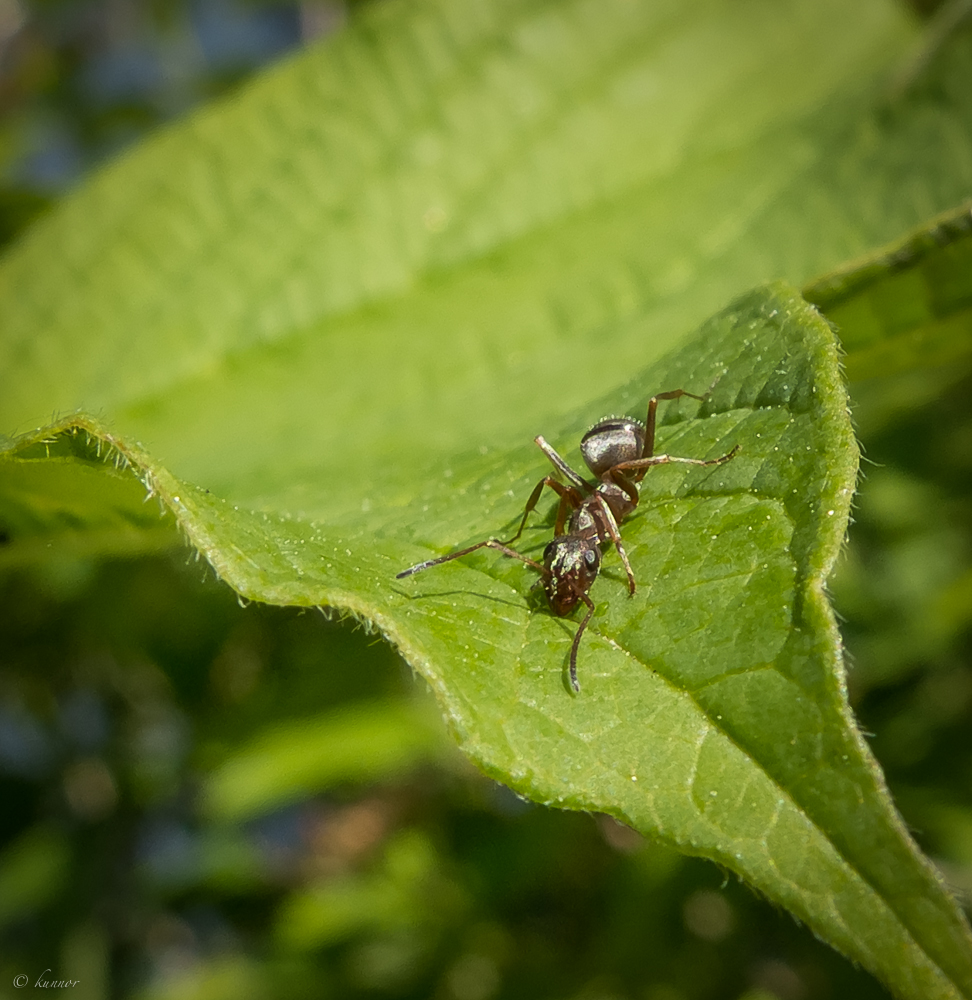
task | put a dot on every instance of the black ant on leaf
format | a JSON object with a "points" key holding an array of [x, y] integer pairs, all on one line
{"points": [[618, 451]]}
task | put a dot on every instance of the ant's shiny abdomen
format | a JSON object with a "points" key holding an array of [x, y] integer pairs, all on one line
{"points": [[613, 440]]}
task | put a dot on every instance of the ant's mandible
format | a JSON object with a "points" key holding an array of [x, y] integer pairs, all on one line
{"points": [[618, 451]]}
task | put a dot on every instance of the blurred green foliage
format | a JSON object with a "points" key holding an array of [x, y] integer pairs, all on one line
{"points": [[429, 882], [81, 80], [903, 589], [135, 695]]}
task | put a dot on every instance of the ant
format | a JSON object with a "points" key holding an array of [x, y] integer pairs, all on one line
{"points": [[618, 451]]}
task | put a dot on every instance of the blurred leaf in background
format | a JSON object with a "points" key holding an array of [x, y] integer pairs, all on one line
{"points": [[81, 81]]}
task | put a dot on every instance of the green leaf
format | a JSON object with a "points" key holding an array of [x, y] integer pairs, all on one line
{"points": [[59, 493], [904, 315], [908, 306], [336, 308], [713, 713], [494, 185], [364, 742], [397, 897]]}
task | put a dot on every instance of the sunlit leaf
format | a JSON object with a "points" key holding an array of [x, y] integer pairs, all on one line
{"points": [[321, 321], [712, 713]]}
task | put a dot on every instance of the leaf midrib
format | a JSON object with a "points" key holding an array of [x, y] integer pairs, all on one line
{"points": [[794, 803]]}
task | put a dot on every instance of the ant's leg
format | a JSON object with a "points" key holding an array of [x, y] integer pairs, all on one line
{"points": [[649, 448], [623, 483], [492, 543], [489, 543], [561, 515], [646, 463], [561, 466], [611, 526], [567, 496], [575, 645]]}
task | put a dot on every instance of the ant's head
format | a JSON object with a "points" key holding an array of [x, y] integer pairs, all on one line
{"points": [[573, 564], [611, 441]]}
